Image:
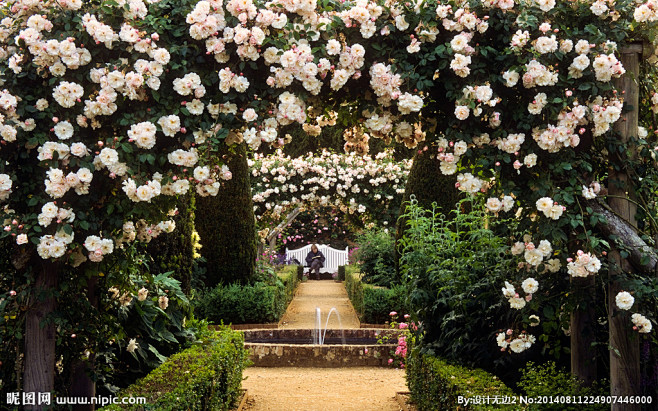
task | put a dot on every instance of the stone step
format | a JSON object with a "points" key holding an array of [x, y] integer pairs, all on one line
{"points": [[342, 348]]}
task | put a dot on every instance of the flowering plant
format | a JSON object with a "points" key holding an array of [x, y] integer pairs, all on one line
{"points": [[403, 337]]}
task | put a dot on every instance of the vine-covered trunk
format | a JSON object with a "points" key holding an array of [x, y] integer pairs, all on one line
{"points": [[429, 185], [226, 224], [624, 345], [40, 336]]}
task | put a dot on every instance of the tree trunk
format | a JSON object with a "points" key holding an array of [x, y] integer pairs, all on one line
{"points": [[624, 342], [82, 385], [226, 225], [40, 337]]}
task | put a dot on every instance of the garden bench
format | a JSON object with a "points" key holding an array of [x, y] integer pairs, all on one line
{"points": [[332, 257]]}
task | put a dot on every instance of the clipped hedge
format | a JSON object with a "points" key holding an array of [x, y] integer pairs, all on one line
{"points": [[341, 273], [436, 385], [354, 288], [373, 304], [248, 304], [291, 279], [204, 377]]}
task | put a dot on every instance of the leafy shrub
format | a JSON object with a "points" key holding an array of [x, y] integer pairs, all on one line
{"points": [[373, 304], [436, 385], [242, 304], [248, 304], [548, 380], [204, 377], [376, 257], [379, 302], [454, 270]]}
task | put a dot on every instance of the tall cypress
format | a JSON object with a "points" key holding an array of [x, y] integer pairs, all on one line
{"points": [[226, 224]]}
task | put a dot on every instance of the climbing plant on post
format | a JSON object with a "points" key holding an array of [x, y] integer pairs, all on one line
{"points": [[624, 345]]}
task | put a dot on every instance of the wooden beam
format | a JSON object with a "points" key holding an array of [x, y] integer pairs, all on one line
{"points": [[643, 257], [289, 218], [624, 342]]}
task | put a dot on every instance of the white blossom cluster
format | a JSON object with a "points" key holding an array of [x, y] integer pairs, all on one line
{"points": [[590, 192], [641, 323], [529, 285], [584, 265], [518, 344], [550, 208], [535, 254]]}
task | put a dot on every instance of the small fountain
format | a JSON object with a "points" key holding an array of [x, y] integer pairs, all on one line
{"points": [[318, 335]]}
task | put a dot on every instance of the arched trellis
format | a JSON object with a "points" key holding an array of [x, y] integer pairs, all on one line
{"points": [[368, 186]]}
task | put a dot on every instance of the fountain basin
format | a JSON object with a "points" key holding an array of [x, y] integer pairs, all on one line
{"points": [[295, 348]]}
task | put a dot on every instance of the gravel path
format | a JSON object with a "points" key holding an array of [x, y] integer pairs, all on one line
{"points": [[319, 389], [326, 294]]}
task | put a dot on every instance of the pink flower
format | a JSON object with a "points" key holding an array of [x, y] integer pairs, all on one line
{"points": [[390, 361], [403, 326], [393, 313]]}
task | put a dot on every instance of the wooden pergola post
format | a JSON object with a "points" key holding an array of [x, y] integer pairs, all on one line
{"points": [[583, 332], [624, 342]]}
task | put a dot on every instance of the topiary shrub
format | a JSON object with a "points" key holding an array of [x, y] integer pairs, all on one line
{"points": [[204, 377], [437, 385], [256, 303], [175, 251], [354, 287], [373, 304], [290, 278]]}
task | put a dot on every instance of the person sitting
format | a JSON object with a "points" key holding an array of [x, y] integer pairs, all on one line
{"points": [[315, 260]]}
